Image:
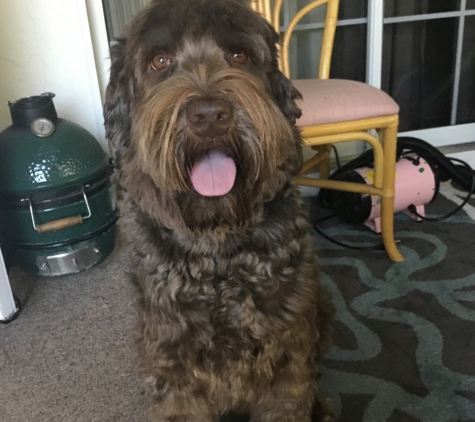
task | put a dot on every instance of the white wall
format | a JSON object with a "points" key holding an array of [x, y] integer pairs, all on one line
{"points": [[46, 45]]}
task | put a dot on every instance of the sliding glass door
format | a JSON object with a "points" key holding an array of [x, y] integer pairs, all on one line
{"points": [[422, 52], [429, 65]]}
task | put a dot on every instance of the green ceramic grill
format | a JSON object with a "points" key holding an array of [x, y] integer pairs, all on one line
{"points": [[57, 205]]}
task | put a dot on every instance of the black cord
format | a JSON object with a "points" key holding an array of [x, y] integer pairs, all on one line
{"points": [[379, 247], [337, 157], [412, 207]]}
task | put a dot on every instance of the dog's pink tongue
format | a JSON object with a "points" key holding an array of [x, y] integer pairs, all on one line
{"points": [[214, 175]]}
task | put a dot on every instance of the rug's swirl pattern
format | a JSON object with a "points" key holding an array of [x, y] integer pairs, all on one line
{"points": [[405, 333]]}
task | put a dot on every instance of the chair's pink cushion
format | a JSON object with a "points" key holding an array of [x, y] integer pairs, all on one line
{"points": [[340, 100]]}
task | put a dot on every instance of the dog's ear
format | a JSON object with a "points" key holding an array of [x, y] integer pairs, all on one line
{"points": [[285, 95], [119, 94]]}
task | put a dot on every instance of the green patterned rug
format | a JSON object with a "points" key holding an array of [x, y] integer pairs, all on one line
{"points": [[404, 347], [405, 332]]}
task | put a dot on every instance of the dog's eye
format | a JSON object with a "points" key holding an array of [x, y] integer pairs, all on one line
{"points": [[239, 57], [160, 62]]}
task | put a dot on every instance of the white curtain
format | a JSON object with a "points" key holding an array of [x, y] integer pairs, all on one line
{"points": [[120, 12]]}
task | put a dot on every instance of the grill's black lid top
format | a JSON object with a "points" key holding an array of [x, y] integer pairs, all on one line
{"points": [[27, 109]]}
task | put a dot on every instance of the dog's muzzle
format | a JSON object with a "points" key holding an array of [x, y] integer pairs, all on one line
{"points": [[215, 173]]}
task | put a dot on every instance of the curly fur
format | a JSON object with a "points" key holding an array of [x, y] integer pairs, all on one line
{"points": [[232, 314]]}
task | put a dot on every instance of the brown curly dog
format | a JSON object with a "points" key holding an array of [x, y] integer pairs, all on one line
{"points": [[233, 317]]}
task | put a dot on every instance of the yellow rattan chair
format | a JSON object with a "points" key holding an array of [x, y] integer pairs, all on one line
{"points": [[336, 110]]}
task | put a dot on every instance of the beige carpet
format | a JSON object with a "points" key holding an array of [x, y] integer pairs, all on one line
{"points": [[70, 354]]}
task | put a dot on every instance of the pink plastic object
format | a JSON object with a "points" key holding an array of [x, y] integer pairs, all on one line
{"points": [[414, 185]]}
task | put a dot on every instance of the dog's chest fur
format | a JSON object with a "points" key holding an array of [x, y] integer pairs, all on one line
{"points": [[217, 303]]}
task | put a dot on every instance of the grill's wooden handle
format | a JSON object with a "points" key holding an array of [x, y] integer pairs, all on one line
{"points": [[52, 226]]}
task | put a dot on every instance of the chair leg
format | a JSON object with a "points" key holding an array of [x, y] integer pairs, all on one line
{"points": [[387, 200]]}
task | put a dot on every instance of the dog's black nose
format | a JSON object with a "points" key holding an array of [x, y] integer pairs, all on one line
{"points": [[209, 117]]}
